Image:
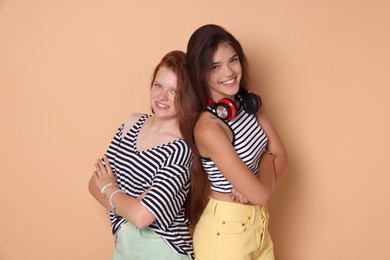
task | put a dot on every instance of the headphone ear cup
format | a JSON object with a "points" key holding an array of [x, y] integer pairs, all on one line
{"points": [[251, 102], [226, 109]]}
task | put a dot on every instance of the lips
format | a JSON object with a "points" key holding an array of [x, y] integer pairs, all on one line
{"points": [[161, 106], [229, 83]]}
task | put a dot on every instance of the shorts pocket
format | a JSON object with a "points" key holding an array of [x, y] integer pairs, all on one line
{"points": [[234, 224]]}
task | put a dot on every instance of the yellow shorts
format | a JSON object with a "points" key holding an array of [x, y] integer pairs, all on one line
{"points": [[228, 230]]}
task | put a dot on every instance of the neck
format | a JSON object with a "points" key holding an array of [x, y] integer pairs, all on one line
{"points": [[162, 125]]}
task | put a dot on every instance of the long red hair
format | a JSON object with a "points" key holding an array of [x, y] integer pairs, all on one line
{"points": [[188, 110]]}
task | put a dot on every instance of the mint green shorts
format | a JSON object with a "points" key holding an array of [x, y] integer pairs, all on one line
{"points": [[232, 231], [142, 243]]}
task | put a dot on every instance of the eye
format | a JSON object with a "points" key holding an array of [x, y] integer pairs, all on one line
{"points": [[234, 60], [157, 85], [174, 91], [215, 67]]}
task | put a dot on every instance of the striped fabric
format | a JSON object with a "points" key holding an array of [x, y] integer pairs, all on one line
{"points": [[249, 141], [167, 168]]}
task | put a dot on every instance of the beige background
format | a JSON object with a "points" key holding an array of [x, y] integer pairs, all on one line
{"points": [[71, 72]]}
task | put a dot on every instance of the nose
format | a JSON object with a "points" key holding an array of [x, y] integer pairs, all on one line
{"points": [[163, 95], [228, 71]]}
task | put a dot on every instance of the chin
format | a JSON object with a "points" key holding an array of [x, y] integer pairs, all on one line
{"points": [[161, 114]]}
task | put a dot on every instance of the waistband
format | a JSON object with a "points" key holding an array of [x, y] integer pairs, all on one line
{"points": [[218, 207], [129, 225]]}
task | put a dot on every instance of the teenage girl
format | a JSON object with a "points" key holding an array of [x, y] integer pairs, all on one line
{"points": [[144, 177], [240, 151]]}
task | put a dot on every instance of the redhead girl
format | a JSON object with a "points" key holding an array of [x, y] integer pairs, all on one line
{"points": [[144, 177]]}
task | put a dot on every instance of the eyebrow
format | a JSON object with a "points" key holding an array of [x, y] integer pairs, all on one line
{"points": [[234, 56], [218, 62]]}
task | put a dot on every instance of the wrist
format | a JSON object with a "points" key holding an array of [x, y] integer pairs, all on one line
{"points": [[108, 189], [268, 153], [110, 200], [269, 159]]}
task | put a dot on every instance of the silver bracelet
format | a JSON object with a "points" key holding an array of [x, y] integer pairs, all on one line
{"points": [[111, 196], [105, 187]]}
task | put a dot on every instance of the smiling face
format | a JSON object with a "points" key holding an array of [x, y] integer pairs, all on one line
{"points": [[163, 93], [225, 73]]}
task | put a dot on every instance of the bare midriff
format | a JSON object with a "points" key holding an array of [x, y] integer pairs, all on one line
{"points": [[225, 197], [221, 196]]}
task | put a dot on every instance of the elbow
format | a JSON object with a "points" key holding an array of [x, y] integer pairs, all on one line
{"points": [[264, 198], [264, 201], [139, 218], [141, 222]]}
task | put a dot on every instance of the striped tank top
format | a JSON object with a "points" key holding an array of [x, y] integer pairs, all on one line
{"points": [[249, 141], [167, 168]]}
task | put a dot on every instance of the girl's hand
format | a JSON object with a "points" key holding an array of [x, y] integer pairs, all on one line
{"points": [[103, 174], [237, 196]]}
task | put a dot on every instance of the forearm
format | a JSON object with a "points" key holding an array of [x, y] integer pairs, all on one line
{"points": [[126, 206], [280, 160], [275, 145], [105, 189], [131, 209], [267, 173], [95, 192]]}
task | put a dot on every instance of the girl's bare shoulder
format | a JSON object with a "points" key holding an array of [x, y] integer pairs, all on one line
{"points": [[209, 125], [130, 121]]}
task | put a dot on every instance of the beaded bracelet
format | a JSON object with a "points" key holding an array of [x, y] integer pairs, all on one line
{"points": [[105, 187]]}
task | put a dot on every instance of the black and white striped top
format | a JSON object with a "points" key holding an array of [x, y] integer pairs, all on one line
{"points": [[167, 167], [249, 141]]}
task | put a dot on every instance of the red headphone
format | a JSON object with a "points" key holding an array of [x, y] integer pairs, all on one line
{"points": [[226, 109]]}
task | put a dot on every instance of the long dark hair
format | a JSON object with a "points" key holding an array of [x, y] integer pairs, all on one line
{"points": [[188, 108], [201, 47]]}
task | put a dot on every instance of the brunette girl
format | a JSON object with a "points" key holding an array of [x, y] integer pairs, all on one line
{"points": [[240, 151]]}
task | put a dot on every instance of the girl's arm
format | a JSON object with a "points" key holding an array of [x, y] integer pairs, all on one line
{"points": [[126, 206], [213, 141], [95, 192], [272, 164], [275, 147]]}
